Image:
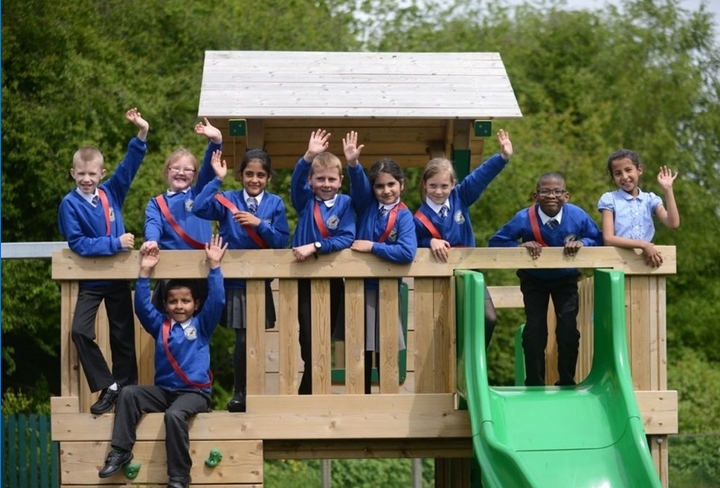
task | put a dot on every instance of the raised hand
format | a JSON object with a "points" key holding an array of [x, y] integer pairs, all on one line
{"points": [[666, 178], [319, 142], [136, 118], [208, 130], [218, 165], [149, 259], [351, 149], [215, 250], [506, 148]]}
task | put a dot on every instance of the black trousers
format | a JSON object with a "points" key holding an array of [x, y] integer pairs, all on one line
{"points": [[536, 295], [337, 316], [118, 303], [178, 405]]}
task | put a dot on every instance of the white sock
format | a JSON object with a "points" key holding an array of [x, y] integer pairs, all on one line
{"points": [[113, 387]]}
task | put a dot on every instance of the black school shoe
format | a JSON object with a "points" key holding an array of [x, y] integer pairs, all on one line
{"points": [[237, 403], [106, 402], [114, 462], [177, 483]]}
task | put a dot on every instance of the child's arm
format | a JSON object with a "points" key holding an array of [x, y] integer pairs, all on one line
{"points": [[136, 118], [205, 205], [148, 315], [652, 256], [470, 189], [669, 216], [401, 251], [351, 149], [318, 143], [212, 308], [300, 191], [215, 140]]}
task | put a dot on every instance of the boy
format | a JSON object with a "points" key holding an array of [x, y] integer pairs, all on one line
{"points": [[182, 365], [326, 223], [89, 218], [551, 222]]}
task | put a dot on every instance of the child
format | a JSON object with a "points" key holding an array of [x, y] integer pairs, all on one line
{"points": [[261, 224], [169, 221], [326, 223], [627, 212], [385, 228], [89, 218], [443, 220], [551, 222], [182, 365]]}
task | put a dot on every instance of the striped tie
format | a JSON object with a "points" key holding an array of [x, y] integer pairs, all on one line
{"points": [[252, 205], [443, 212], [553, 223]]}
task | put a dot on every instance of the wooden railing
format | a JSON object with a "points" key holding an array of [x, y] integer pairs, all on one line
{"points": [[412, 419]]}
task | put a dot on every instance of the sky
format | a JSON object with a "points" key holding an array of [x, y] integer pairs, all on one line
{"points": [[712, 6]]}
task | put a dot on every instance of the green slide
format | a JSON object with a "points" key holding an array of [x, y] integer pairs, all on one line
{"points": [[589, 435]]}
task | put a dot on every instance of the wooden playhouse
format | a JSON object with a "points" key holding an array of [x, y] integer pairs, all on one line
{"points": [[410, 106]]}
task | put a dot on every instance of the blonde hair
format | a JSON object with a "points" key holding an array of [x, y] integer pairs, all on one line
{"points": [[175, 156], [326, 160], [88, 154], [435, 167]]}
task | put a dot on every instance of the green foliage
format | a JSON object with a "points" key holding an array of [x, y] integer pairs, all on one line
{"points": [[358, 473]]}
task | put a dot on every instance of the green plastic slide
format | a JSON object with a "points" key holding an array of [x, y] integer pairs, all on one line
{"points": [[588, 435]]}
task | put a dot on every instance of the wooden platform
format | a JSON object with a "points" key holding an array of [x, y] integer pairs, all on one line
{"points": [[416, 419]]}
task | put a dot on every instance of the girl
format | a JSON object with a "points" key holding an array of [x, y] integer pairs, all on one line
{"points": [[385, 228], [627, 212], [169, 221], [249, 219], [443, 220]]}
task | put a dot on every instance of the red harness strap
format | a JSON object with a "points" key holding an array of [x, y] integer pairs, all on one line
{"points": [[250, 231], [174, 363], [392, 217], [160, 199], [106, 209], [428, 225], [532, 215], [319, 221]]}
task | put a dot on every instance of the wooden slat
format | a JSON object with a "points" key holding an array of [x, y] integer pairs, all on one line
{"points": [[282, 264], [354, 349], [424, 324], [255, 317], [321, 319], [389, 306], [442, 340], [242, 462], [288, 348], [659, 411], [369, 448], [68, 404], [306, 417], [68, 354]]}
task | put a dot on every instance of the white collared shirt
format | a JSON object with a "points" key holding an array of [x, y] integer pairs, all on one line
{"points": [[544, 218], [258, 198], [436, 208]]}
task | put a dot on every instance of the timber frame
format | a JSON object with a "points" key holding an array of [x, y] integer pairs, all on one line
{"points": [[417, 419]]}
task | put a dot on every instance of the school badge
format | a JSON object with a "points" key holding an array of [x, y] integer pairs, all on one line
{"points": [[189, 205], [190, 333], [332, 222], [393, 235], [459, 218], [112, 214]]}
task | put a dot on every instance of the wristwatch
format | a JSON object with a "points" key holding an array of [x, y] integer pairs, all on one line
{"points": [[318, 247]]}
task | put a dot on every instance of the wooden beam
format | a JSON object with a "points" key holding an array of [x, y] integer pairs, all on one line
{"points": [[269, 264]]}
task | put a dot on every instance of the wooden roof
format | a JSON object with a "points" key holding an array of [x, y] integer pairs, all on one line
{"points": [[404, 105]]}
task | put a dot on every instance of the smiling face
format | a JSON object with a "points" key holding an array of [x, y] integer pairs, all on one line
{"points": [[551, 195], [180, 304], [626, 175], [254, 177], [87, 175], [325, 182], [387, 189], [180, 171], [438, 187]]}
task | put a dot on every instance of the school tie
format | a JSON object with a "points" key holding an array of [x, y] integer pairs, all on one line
{"points": [[252, 205], [443, 212], [95, 201], [383, 211], [553, 223]]}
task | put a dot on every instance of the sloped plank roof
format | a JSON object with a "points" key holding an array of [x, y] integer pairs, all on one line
{"points": [[289, 84]]}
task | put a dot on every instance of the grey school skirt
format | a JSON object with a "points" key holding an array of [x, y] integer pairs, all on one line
{"points": [[234, 316], [372, 322]]}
